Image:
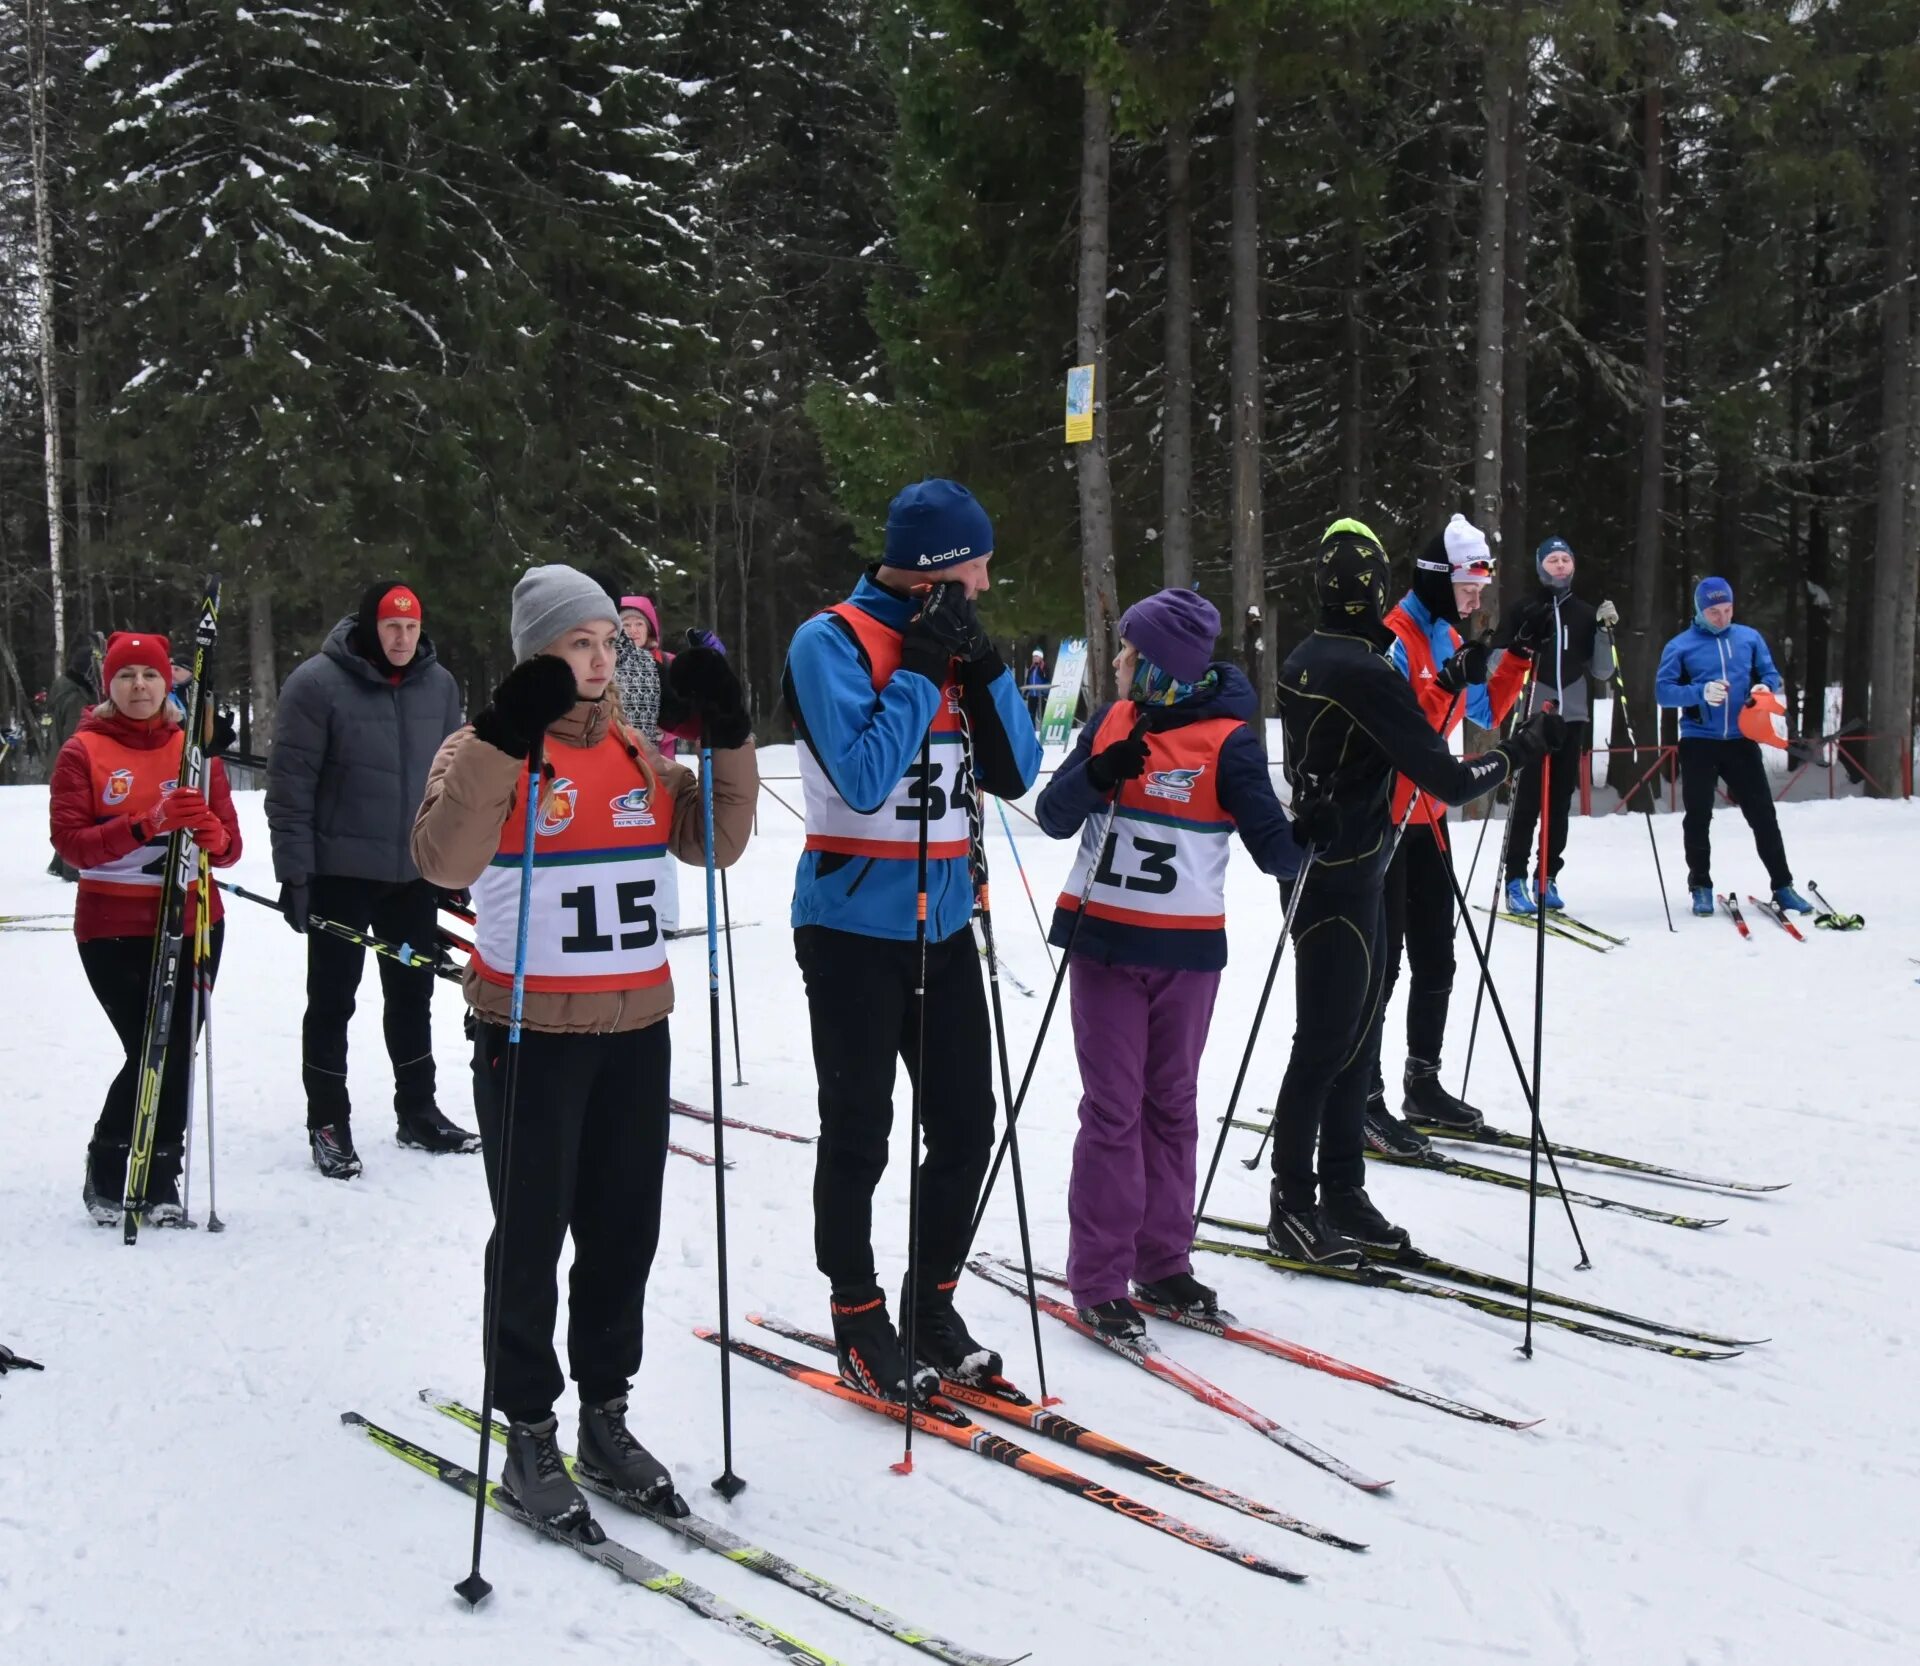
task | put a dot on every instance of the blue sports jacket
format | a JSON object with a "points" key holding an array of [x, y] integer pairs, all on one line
{"points": [[865, 741], [1737, 656], [1445, 641]]}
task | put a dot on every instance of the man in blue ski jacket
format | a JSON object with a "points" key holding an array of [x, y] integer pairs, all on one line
{"points": [[902, 711], [1709, 672]]}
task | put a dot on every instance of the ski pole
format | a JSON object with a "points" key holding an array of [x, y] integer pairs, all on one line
{"points": [[1626, 723], [727, 1484], [474, 1589], [905, 1465], [983, 906], [405, 953], [1007, 827], [195, 968], [733, 989], [214, 1222], [1539, 1019], [1253, 1035]]}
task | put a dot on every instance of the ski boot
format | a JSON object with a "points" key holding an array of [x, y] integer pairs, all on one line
{"points": [[1551, 898], [611, 1456], [428, 1130], [1787, 897], [333, 1153], [536, 1476], [104, 1187], [1302, 1233], [941, 1339], [1518, 901], [869, 1351], [1428, 1105], [1181, 1292], [1118, 1321], [1388, 1133], [163, 1206], [1702, 901], [1350, 1212]]}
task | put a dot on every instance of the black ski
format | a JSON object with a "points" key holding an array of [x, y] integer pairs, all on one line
{"points": [[169, 945], [1731, 904], [1438, 1164], [1555, 929], [1594, 1159]]}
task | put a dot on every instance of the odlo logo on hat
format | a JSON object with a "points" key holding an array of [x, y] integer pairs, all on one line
{"points": [[558, 808], [633, 808], [118, 788]]}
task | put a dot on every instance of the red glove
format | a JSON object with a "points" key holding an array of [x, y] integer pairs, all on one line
{"points": [[184, 807]]}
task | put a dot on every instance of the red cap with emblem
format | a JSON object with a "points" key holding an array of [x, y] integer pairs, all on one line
{"points": [[126, 648], [399, 603]]}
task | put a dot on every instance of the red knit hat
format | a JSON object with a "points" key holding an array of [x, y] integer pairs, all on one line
{"points": [[399, 603], [126, 648]]}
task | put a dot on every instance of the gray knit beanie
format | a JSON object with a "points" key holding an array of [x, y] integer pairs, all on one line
{"points": [[552, 599]]}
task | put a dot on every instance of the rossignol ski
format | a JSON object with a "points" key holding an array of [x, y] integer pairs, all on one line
{"points": [[1777, 914], [710, 1535], [169, 941], [999, 1398], [1731, 904]]}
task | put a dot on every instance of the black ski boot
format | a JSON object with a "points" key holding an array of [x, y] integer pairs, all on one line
{"points": [[1429, 1105], [1118, 1320], [1388, 1133], [333, 1153], [1350, 1212], [941, 1338], [1302, 1233], [163, 1207], [611, 1456], [1181, 1292], [104, 1187], [428, 1130], [536, 1475], [868, 1346]]}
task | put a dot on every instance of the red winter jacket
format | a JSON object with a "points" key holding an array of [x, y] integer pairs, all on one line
{"points": [[91, 828]]}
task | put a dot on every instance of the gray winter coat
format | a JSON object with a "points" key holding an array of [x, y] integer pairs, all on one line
{"points": [[349, 763]]}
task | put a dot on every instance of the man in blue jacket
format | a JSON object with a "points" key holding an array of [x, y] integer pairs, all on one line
{"points": [[901, 710], [1709, 671]]}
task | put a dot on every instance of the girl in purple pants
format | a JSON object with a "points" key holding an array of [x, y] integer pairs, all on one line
{"points": [[1175, 766]]}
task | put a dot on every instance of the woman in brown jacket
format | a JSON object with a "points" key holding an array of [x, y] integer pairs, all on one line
{"points": [[590, 1115]]}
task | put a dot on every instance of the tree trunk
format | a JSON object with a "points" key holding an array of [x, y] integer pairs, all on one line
{"points": [[1641, 648], [1490, 316], [1514, 544], [1819, 556], [43, 295], [1353, 353], [1891, 651], [1176, 454], [261, 664], [1243, 375], [1856, 650], [1099, 587], [1438, 409]]}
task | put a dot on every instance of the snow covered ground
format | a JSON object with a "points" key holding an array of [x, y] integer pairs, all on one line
{"points": [[178, 1482]]}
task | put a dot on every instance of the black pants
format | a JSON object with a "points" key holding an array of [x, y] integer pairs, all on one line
{"points": [[403, 913], [861, 1006], [1339, 964], [118, 969], [1419, 923], [1703, 765], [589, 1152], [1523, 849]]}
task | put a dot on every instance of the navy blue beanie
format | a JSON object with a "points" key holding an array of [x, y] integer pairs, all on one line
{"points": [[936, 524], [1552, 546]]}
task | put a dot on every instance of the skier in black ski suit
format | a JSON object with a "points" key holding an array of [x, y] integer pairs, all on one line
{"points": [[1351, 722]]}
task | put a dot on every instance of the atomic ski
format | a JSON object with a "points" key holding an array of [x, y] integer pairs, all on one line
{"points": [[951, 1425], [1529, 922], [1596, 1159], [1229, 1329], [1385, 1278], [1731, 904], [1778, 915], [169, 938], [628, 1563], [1418, 1261], [1438, 1164], [999, 1398], [710, 1535], [1147, 1355], [680, 1107]]}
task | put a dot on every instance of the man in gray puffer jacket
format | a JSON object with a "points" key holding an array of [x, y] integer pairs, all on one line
{"points": [[357, 729]]}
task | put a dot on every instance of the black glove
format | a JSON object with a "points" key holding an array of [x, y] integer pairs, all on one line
{"points": [[1533, 630], [704, 684], [1542, 733], [945, 629], [10, 1361], [1469, 665], [456, 901], [531, 697], [1316, 823], [1124, 760], [226, 732], [295, 903]]}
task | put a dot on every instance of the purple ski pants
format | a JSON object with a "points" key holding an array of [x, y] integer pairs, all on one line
{"points": [[1138, 1032]]}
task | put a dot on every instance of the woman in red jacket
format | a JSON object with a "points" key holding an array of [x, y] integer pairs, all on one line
{"points": [[114, 805]]}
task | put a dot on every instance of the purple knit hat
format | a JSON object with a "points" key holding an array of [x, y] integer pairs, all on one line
{"points": [[1175, 630]]}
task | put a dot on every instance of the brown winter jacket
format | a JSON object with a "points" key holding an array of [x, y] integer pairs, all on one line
{"points": [[471, 790]]}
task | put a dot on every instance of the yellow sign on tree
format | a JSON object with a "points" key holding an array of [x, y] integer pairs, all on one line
{"points": [[1079, 404]]}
